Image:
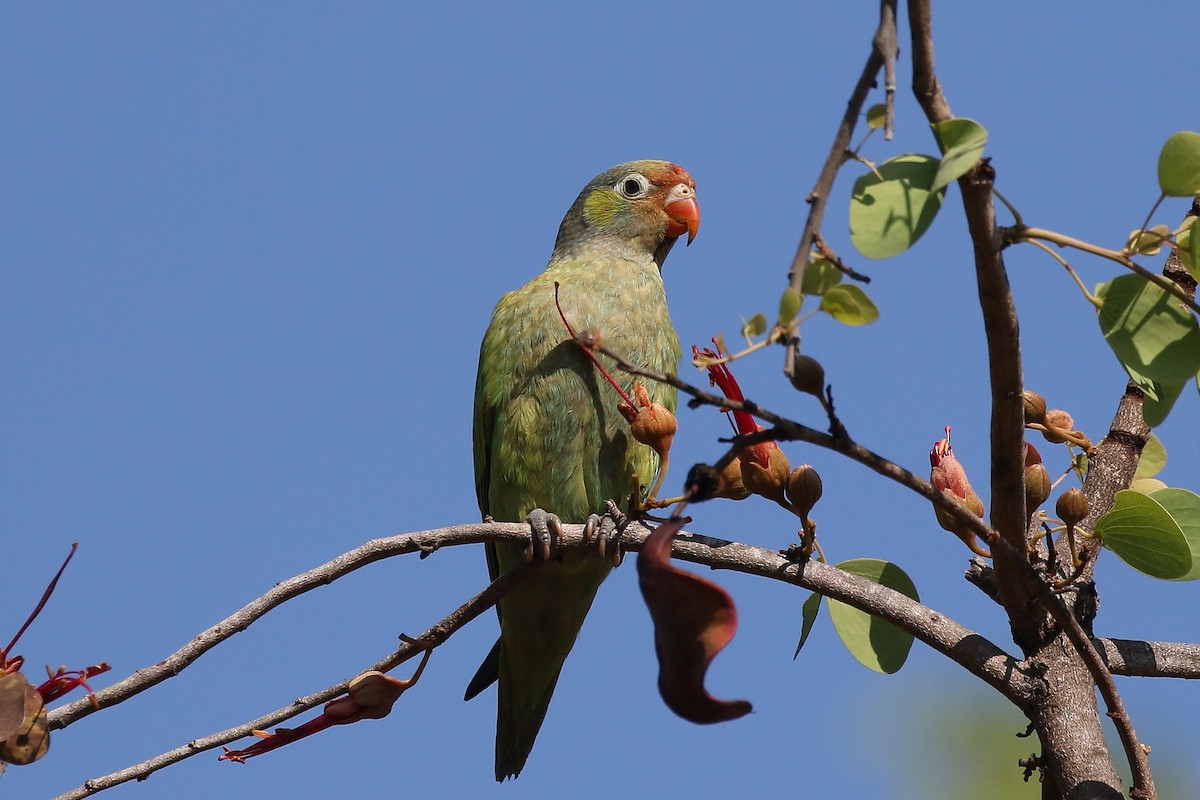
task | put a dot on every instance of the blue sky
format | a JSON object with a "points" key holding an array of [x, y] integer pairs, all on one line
{"points": [[249, 253]]}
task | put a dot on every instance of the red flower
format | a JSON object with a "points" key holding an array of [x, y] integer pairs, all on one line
{"points": [[949, 477], [64, 680], [764, 467]]}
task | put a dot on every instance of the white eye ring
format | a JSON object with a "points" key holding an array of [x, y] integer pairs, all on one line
{"points": [[634, 186]]}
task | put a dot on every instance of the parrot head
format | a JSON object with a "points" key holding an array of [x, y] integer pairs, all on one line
{"points": [[643, 205]]}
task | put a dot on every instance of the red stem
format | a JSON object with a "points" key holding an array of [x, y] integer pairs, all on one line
{"points": [[41, 603], [587, 351]]}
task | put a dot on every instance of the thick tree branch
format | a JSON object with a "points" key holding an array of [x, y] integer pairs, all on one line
{"points": [[965, 647], [1076, 753], [1004, 346], [1150, 659]]}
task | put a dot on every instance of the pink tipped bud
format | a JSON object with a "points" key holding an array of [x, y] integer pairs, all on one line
{"points": [[949, 477]]}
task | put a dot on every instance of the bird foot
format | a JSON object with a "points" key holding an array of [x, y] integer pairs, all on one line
{"points": [[605, 529], [544, 529]]}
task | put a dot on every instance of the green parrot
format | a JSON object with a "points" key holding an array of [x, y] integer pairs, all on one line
{"points": [[549, 441]]}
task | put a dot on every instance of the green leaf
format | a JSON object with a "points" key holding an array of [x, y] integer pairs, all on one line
{"points": [[1153, 458], [877, 645], [1156, 408], [789, 305], [890, 211], [876, 116], [849, 304], [1159, 398], [819, 275], [755, 326], [962, 142], [719, 343], [1179, 165], [1184, 508], [1146, 485], [1145, 536], [808, 616], [1148, 242], [1189, 247], [1150, 331]]}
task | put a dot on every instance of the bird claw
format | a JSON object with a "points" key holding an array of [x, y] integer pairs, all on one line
{"points": [[544, 529], [605, 529]]}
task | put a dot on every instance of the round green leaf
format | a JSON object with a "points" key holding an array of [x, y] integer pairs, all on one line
{"points": [[962, 142], [1156, 406], [789, 305], [1159, 398], [890, 211], [1184, 508], [1151, 332], [808, 616], [876, 116], [849, 304], [755, 326], [1148, 242], [1153, 458], [1146, 485], [1145, 536], [819, 275], [1189, 247], [876, 644], [1179, 165]]}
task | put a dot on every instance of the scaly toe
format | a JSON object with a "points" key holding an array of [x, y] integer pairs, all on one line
{"points": [[544, 529]]}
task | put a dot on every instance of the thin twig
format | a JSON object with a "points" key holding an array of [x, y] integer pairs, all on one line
{"points": [[1028, 234], [175, 663], [40, 605], [827, 253], [787, 430], [428, 640], [884, 47]]}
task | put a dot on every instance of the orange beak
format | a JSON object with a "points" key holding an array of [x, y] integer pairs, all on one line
{"points": [[684, 213]]}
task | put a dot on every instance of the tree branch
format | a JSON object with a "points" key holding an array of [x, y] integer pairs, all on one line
{"points": [[411, 647], [1024, 233], [175, 663], [788, 430], [884, 48], [1019, 587], [1150, 659], [965, 647]]}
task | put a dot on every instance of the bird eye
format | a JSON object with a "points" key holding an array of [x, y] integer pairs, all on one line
{"points": [[633, 186]]}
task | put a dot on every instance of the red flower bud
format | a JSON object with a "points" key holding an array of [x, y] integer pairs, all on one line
{"points": [[948, 476]]}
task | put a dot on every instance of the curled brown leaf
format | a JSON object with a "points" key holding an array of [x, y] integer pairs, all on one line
{"points": [[693, 620]]}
